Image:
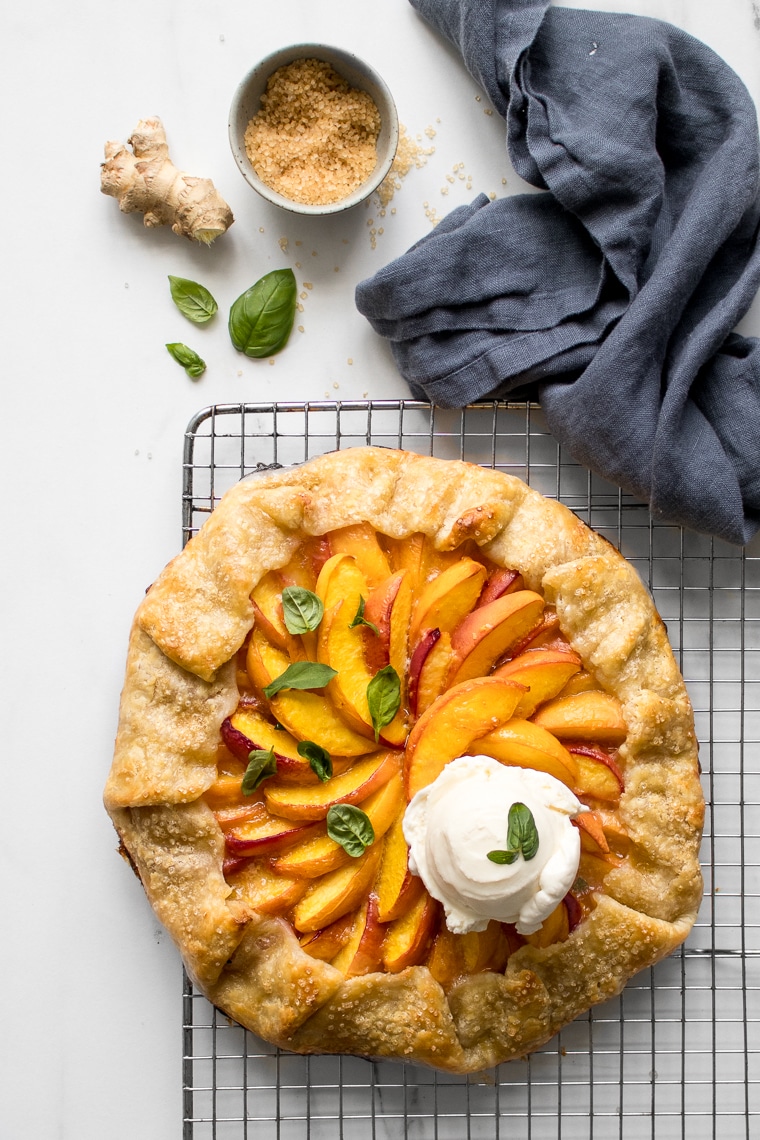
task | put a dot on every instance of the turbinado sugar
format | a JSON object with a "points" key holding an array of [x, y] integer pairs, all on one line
{"points": [[315, 138]]}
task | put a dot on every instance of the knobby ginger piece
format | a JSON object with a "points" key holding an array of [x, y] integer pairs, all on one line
{"points": [[145, 180]]}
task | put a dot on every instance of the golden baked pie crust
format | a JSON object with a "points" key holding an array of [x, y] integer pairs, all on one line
{"points": [[180, 685]]}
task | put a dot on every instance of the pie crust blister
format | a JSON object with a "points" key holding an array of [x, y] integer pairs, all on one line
{"points": [[463, 1006]]}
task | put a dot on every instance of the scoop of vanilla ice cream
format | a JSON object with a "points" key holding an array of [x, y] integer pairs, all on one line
{"points": [[453, 823]]}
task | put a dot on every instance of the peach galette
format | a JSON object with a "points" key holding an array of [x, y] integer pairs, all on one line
{"points": [[405, 763]]}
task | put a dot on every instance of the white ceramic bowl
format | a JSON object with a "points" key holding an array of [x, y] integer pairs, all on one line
{"points": [[246, 103]]}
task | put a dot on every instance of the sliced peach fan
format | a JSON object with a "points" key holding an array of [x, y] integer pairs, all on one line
{"points": [[483, 668]]}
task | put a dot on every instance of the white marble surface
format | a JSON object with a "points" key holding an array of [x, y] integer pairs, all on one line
{"points": [[94, 414]]}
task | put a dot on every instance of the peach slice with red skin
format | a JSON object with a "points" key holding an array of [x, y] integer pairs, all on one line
{"points": [[526, 745], [305, 714], [502, 581], [446, 601], [266, 892], [544, 672], [487, 633], [546, 632], [264, 834], [448, 728], [362, 953], [598, 774], [320, 854], [352, 787], [388, 609], [429, 670], [247, 730], [266, 597], [408, 938], [593, 715], [396, 887], [331, 896]]}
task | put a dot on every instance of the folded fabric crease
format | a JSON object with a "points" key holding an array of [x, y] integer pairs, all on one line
{"points": [[613, 294]]}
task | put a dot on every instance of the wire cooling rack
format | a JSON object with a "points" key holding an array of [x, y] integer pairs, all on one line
{"points": [[677, 1053]]}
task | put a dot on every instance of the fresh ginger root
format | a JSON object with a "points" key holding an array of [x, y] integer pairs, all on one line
{"points": [[147, 181]]}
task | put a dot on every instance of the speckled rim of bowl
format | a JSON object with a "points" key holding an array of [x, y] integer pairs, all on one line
{"points": [[246, 103]]}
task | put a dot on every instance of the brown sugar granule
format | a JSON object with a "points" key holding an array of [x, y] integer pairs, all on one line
{"points": [[315, 138]]}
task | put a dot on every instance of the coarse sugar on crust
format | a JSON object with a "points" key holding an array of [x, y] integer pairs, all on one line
{"points": [[180, 685]]}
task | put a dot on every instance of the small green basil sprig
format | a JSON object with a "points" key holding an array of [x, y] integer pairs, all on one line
{"points": [[319, 759], [351, 828], [383, 698], [360, 619], [302, 609], [262, 763], [522, 836], [193, 365], [301, 675]]}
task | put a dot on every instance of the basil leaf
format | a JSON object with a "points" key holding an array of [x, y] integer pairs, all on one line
{"points": [[301, 675], [318, 757], [522, 833], [361, 620], [351, 827], [502, 856], [190, 360], [302, 610], [262, 317], [261, 765], [193, 300], [383, 698]]}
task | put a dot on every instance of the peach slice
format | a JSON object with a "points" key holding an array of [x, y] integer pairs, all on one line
{"points": [[598, 774], [362, 952], [325, 944], [455, 955], [225, 792], [268, 616], [581, 682], [408, 554], [592, 715], [389, 608], [361, 543], [488, 632], [353, 787], [526, 745], [331, 896], [396, 887], [265, 891], [449, 726], [340, 578], [264, 834], [429, 670], [306, 563], [615, 833], [320, 854], [555, 928], [547, 632], [247, 730], [444, 602], [544, 672], [592, 835], [408, 938], [305, 714], [502, 581]]}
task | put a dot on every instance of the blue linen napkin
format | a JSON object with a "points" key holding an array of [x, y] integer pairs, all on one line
{"points": [[613, 293]]}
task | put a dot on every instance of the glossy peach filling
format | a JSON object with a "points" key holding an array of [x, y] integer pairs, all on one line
{"points": [[481, 668]]}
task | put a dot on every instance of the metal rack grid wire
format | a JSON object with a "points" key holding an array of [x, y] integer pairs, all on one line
{"points": [[677, 1054]]}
